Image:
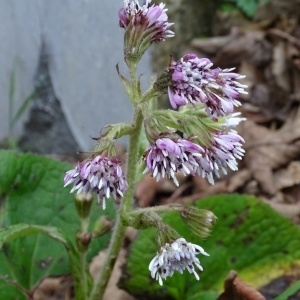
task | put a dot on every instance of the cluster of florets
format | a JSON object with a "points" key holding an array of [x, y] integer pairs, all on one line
{"points": [[178, 256], [146, 19], [143, 24], [99, 175], [193, 80], [167, 155]]}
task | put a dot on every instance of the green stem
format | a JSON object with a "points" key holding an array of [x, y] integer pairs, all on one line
{"points": [[118, 235], [149, 95], [134, 83], [158, 209], [83, 261], [83, 267]]}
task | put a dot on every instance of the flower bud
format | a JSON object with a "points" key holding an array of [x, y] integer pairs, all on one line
{"points": [[83, 203], [144, 24], [199, 221], [166, 234], [83, 240]]}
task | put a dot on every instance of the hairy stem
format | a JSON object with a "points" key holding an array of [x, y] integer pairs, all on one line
{"points": [[118, 235], [158, 209], [83, 260], [83, 266]]}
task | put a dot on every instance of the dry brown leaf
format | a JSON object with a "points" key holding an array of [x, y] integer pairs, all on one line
{"points": [[145, 191], [148, 189], [280, 68], [268, 150], [112, 291], [291, 211], [54, 288], [212, 45], [287, 177], [238, 180], [249, 45], [236, 289]]}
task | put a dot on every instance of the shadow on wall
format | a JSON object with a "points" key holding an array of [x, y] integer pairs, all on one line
{"points": [[47, 130]]}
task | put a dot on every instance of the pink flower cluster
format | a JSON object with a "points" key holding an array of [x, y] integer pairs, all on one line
{"points": [[99, 175], [168, 155], [193, 80], [147, 21]]}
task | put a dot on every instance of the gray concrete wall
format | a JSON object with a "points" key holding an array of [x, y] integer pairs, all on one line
{"points": [[84, 43]]}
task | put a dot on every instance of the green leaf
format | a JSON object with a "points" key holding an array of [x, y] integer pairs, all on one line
{"points": [[17, 231], [20, 230], [248, 237], [249, 7], [32, 192]]}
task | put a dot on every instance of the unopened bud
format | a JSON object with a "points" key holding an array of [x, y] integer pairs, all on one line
{"points": [[83, 240], [200, 221], [83, 203], [166, 234]]}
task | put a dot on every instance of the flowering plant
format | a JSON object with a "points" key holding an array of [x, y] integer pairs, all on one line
{"points": [[196, 137], [43, 234]]}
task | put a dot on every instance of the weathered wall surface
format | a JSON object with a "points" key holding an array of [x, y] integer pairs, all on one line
{"points": [[83, 44]]}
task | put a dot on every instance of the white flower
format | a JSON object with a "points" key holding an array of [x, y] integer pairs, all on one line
{"points": [[178, 256]]}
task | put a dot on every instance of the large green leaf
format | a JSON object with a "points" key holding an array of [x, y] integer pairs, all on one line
{"points": [[248, 237], [32, 192], [20, 230]]}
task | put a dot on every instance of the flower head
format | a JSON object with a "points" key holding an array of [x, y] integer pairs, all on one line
{"points": [[226, 148], [193, 80], [144, 24], [178, 256], [167, 156], [100, 175]]}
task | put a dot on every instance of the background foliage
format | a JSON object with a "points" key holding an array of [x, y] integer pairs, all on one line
{"points": [[249, 237], [32, 192]]}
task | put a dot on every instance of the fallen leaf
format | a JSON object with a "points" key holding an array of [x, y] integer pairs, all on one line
{"points": [[249, 45], [291, 211], [145, 191], [236, 289], [212, 45], [287, 177], [268, 150], [53, 288], [112, 291]]}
